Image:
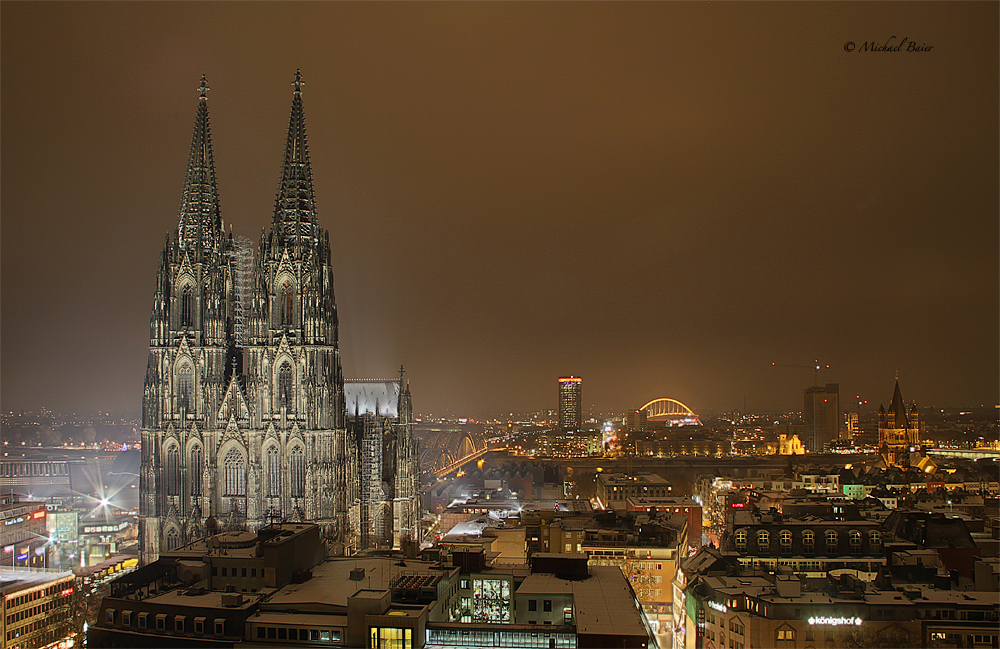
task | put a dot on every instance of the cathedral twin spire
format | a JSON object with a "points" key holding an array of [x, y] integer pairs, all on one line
{"points": [[294, 208], [200, 223]]}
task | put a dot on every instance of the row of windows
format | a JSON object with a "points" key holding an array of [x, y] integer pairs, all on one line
{"points": [[185, 386], [286, 303], [180, 624], [38, 625], [38, 594], [808, 539], [17, 469], [475, 638], [26, 613], [301, 635]]}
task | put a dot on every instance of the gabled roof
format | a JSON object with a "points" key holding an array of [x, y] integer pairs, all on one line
{"points": [[372, 396]]}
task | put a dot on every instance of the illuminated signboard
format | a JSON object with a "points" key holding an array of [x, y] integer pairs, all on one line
{"points": [[22, 557], [68, 591], [39, 514], [722, 608], [835, 621]]}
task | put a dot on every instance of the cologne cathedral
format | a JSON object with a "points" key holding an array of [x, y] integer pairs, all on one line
{"points": [[246, 417]]}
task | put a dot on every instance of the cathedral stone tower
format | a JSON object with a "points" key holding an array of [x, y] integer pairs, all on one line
{"points": [[244, 413]]}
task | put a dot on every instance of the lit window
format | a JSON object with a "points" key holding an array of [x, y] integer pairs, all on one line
{"points": [[287, 304], [741, 539], [273, 473], [187, 307], [236, 475], [197, 460], [763, 539], [297, 469], [808, 540], [173, 471], [185, 387], [285, 386]]}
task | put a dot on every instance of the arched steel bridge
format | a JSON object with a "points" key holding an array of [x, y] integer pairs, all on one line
{"points": [[448, 451], [670, 410]]}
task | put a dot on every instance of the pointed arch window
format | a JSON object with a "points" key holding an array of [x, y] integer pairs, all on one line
{"points": [[235, 470], [287, 304], [173, 472], [297, 467], [273, 473], [197, 459], [285, 386], [185, 386], [187, 307], [173, 539]]}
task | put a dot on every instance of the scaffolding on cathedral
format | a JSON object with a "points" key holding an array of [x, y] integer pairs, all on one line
{"points": [[244, 264]]}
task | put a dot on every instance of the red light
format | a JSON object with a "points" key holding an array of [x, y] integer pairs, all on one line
{"points": [[68, 591], [39, 514]]}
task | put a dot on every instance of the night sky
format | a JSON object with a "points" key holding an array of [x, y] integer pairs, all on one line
{"points": [[662, 198]]}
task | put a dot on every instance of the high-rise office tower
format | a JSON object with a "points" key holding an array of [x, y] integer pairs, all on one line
{"points": [[244, 411], [570, 403], [821, 416]]}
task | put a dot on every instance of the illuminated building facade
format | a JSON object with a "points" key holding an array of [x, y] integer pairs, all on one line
{"points": [[244, 411], [898, 431], [23, 534], [570, 403], [821, 416], [36, 610]]}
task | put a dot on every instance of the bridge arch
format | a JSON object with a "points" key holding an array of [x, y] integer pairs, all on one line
{"points": [[670, 410]]}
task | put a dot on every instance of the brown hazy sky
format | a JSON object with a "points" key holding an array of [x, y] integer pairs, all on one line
{"points": [[662, 198]]}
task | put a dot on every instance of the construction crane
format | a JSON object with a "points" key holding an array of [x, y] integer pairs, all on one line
{"points": [[815, 367]]}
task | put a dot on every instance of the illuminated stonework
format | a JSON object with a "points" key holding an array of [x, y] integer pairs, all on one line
{"points": [[244, 411]]}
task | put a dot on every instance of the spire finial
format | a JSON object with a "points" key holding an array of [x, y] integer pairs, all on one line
{"points": [[400, 375], [203, 88], [897, 375], [298, 83]]}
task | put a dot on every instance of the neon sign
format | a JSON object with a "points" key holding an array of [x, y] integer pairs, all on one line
{"points": [[835, 621], [722, 608]]}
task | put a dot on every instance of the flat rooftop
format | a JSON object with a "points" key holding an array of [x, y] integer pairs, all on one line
{"points": [[12, 581]]}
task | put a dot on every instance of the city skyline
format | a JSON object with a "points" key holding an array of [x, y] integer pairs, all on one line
{"points": [[663, 199]]}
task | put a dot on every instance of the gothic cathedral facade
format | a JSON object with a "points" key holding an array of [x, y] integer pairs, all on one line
{"points": [[245, 419]]}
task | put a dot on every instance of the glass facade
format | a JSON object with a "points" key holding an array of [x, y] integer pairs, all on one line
{"points": [[491, 600], [391, 638], [486, 638]]}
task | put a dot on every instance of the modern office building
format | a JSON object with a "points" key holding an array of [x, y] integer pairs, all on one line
{"points": [[570, 403], [821, 416], [23, 534], [37, 609]]}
